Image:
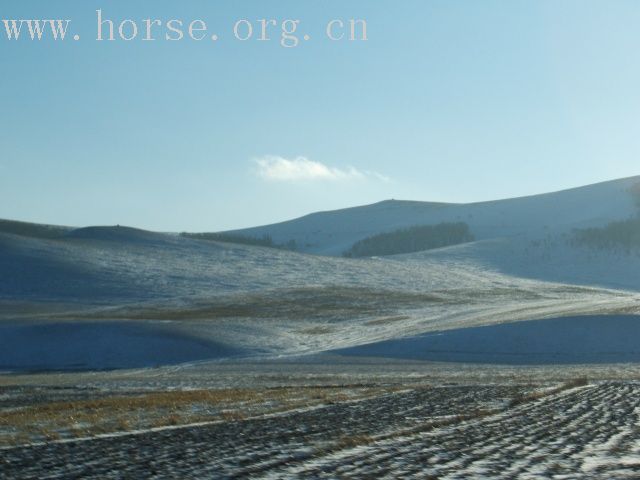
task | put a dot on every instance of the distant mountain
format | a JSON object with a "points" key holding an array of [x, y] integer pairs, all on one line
{"points": [[334, 232]]}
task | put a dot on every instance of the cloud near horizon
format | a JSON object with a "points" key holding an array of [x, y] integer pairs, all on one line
{"points": [[276, 168]]}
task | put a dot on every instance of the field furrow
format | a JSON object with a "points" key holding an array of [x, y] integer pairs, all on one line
{"points": [[447, 432]]}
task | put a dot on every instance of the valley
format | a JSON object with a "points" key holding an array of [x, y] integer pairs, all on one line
{"points": [[512, 353]]}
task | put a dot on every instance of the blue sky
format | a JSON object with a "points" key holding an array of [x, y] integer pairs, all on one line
{"points": [[448, 101]]}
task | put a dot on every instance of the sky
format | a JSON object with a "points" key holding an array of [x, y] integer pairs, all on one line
{"points": [[447, 100]]}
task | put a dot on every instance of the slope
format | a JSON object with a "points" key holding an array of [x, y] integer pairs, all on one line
{"points": [[331, 233]]}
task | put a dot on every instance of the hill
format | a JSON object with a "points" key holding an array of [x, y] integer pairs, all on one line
{"points": [[221, 299], [569, 340], [334, 232], [34, 230]]}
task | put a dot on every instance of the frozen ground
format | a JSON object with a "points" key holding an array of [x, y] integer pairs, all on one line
{"points": [[421, 431], [585, 433]]}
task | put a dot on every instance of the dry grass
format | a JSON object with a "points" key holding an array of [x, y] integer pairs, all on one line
{"points": [[353, 441], [532, 396], [44, 422], [318, 330], [576, 382], [88, 417], [307, 302], [387, 320]]}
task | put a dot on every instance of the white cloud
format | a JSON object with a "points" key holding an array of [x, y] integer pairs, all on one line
{"points": [[276, 168]]}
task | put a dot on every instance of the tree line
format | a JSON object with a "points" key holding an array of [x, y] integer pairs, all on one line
{"points": [[624, 234], [412, 239], [262, 241]]}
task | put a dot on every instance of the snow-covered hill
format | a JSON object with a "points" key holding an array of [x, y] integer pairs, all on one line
{"points": [[255, 300], [331, 233], [588, 339]]}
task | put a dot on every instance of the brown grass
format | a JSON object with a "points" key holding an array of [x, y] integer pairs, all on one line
{"points": [[318, 330], [352, 441], [387, 320], [305, 302], [532, 396], [158, 409]]}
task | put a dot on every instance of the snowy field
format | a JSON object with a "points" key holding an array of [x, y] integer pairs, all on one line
{"points": [[514, 430], [568, 340], [227, 298], [135, 354]]}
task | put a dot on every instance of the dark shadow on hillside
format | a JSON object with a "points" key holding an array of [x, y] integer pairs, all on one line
{"points": [[101, 346], [571, 340]]}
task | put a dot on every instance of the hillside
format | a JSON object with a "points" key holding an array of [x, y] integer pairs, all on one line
{"points": [[577, 340], [411, 239], [334, 232], [221, 299], [35, 230]]}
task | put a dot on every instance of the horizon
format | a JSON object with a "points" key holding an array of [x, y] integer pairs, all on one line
{"points": [[321, 211], [444, 101]]}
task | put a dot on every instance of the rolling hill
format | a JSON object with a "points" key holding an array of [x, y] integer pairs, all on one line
{"points": [[222, 299], [334, 232]]}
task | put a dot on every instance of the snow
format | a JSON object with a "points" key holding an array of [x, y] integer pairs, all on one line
{"points": [[101, 345], [578, 340], [331, 233], [259, 301]]}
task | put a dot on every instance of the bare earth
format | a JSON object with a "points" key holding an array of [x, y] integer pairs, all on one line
{"points": [[399, 425]]}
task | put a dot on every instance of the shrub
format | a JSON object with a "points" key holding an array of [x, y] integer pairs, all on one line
{"points": [[263, 241]]}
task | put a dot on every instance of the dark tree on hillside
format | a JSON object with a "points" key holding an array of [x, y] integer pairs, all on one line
{"points": [[412, 239], [263, 241], [623, 235]]}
